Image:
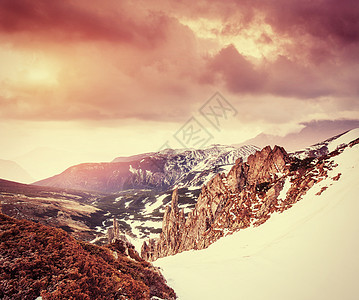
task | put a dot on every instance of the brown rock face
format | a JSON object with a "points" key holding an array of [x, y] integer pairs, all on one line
{"points": [[248, 195], [263, 166]]}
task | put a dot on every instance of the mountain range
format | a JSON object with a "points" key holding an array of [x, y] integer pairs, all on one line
{"points": [[137, 199], [185, 200], [160, 170], [139, 205]]}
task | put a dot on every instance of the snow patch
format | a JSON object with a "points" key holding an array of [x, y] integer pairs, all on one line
{"points": [[150, 207], [132, 170], [118, 199], [283, 193]]}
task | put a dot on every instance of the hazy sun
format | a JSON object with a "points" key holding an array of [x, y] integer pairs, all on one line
{"points": [[41, 75]]}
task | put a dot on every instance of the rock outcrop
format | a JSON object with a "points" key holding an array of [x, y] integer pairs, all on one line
{"points": [[114, 234], [270, 181]]}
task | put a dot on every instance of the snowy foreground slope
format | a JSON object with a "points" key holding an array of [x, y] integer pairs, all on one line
{"points": [[310, 251]]}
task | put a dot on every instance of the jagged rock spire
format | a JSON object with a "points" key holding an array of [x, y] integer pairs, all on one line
{"points": [[174, 202], [114, 234]]}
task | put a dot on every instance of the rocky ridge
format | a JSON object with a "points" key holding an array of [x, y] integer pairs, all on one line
{"points": [[270, 181]]}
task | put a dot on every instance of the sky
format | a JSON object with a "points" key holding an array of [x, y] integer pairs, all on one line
{"points": [[100, 79]]}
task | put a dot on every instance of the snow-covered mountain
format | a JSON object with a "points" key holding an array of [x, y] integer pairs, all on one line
{"points": [[307, 246], [161, 170]]}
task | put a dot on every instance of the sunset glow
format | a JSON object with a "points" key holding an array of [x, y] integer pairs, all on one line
{"points": [[112, 72]]}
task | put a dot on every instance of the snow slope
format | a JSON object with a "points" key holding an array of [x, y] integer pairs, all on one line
{"points": [[310, 251]]}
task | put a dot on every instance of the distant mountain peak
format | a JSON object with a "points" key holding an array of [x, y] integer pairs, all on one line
{"points": [[11, 170]]}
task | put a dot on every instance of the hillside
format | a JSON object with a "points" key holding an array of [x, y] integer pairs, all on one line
{"points": [[309, 251], [39, 260], [67, 209]]}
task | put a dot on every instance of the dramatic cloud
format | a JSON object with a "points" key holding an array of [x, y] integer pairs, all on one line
{"points": [[142, 71], [281, 77], [279, 62], [325, 19]]}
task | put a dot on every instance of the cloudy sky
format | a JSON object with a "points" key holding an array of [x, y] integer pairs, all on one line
{"points": [[108, 78]]}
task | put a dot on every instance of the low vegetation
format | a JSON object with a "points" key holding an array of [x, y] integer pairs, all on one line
{"points": [[37, 260]]}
